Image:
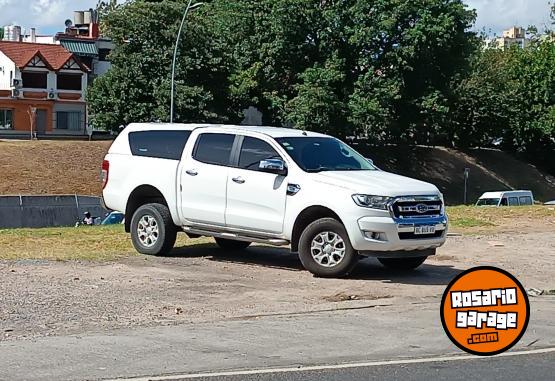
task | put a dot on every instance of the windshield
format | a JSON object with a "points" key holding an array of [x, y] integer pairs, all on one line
{"points": [[488, 202], [318, 154]]}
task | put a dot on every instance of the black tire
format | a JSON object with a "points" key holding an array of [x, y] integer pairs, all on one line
{"points": [[404, 263], [230, 244], [312, 231], [167, 231]]}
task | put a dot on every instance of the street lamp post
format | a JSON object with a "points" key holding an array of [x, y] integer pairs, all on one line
{"points": [[466, 175], [190, 7], [32, 118]]}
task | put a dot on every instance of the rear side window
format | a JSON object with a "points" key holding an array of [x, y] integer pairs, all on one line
{"points": [[526, 200], [253, 151], [214, 148], [158, 144]]}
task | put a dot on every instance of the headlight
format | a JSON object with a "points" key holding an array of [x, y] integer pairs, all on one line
{"points": [[373, 202]]}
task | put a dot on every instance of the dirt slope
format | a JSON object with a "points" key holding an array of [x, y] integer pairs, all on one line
{"points": [[51, 167], [68, 167], [490, 170]]}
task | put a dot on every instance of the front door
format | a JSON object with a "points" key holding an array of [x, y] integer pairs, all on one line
{"points": [[204, 179], [40, 121], [255, 200]]}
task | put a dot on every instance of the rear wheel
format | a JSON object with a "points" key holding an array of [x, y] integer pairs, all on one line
{"points": [[229, 244], [325, 249], [152, 230]]}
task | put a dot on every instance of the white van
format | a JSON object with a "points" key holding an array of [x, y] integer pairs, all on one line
{"points": [[509, 198]]}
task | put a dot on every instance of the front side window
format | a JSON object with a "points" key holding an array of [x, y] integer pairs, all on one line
{"points": [[6, 119], [214, 148], [158, 144], [513, 201], [488, 202], [253, 151], [318, 154]]}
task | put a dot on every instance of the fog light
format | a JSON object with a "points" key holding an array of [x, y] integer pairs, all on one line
{"points": [[373, 235]]}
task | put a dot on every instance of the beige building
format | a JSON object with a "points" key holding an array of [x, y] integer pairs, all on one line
{"points": [[515, 36]]}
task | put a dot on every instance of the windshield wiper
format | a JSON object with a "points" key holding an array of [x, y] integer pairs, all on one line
{"points": [[319, 169]]}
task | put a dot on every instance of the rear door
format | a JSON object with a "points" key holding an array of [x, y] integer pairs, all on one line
{"points": [[204, 179], [255, 200]]}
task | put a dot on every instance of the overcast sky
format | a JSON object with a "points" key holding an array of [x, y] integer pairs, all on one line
{"points": [[49, 15]]}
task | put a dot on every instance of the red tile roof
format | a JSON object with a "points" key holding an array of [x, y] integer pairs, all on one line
{"points": [[54, 56]]}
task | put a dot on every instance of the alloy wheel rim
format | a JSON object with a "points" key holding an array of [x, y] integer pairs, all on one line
{"points": [[147, 231], [328, 249]]}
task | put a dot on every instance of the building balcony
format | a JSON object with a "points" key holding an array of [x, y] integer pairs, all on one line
{"points": [[28, 93]]}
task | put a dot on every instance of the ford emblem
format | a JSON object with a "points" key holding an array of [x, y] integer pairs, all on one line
{"points": [[421, 208]]}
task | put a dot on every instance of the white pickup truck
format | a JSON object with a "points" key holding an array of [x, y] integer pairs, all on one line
{"points": [[272, 186]]}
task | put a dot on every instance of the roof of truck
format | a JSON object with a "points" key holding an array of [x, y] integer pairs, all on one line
{"points": [[505, 193], [275, 132]]}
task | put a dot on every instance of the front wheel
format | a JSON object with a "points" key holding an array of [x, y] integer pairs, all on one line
{"points": [[152, 230], [325, 249], [402, 263]]}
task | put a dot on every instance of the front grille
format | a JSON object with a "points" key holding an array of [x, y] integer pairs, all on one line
{"points": [[414, 208], [437, 234]]}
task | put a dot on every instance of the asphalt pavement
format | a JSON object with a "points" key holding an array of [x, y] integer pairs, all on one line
{"points": [[533, 366], [329, 339]]}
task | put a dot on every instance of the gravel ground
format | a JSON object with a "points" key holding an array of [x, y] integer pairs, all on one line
{"points": [[54, 298]]}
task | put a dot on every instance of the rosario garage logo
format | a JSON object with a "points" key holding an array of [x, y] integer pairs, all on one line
{"points": [[485, 311]]}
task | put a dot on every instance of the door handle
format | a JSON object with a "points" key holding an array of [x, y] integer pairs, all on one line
{"points": [[191, 172], [239, 180]]}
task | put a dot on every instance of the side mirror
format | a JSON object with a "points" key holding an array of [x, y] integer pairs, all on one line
{"points": [[276, 166], [370, 161]]}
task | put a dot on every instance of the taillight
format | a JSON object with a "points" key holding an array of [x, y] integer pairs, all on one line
{"points": [[105, 172]]}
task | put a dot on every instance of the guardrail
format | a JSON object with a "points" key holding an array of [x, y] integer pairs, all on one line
{"points": [[47, 211]]}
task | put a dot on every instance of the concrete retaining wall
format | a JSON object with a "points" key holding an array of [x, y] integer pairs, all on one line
{"points": [[46, 211]]}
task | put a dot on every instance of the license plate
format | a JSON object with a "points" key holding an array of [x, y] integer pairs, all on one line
{"points": [[425, 229]]}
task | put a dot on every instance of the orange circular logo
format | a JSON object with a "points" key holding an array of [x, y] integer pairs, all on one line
{"points": [[485, 311]]}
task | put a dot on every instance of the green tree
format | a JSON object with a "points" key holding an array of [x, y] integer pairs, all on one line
{"points": [[137, 88], [379, 67]]}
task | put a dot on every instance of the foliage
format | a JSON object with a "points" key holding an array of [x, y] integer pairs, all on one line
{"points": [[510, 95], [401, 71], [137, 88], [383, 68]]}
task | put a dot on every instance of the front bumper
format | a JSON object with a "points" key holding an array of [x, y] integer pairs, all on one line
{"points": [[387, 234]]}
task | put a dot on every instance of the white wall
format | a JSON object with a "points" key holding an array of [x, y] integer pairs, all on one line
{"points": [[6, 66]]}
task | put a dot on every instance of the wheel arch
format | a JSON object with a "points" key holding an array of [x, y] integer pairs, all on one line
{"points": [[308, 216], [143, 194]]}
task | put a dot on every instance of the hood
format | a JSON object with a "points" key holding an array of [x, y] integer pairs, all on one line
{"points": [[377, 183]]}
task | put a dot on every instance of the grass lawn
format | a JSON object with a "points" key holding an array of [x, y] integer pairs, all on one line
{"points": [[111, 242], [471, 219], [99, 243]]}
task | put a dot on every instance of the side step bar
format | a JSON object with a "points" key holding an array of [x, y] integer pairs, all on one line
{"points": [[235, 236]]}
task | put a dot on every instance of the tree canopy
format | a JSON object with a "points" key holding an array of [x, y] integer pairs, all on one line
{"points": [[395, 71], [379, 67]]}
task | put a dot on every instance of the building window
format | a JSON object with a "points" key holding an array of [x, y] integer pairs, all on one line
{"points": [[69, 82], [68, 120], [6, 119], [34, 80]]}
